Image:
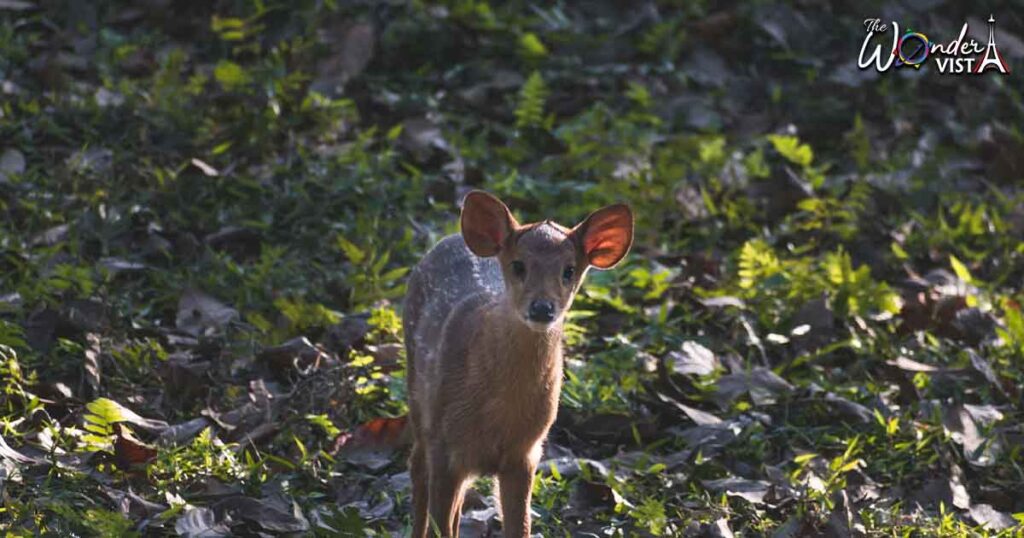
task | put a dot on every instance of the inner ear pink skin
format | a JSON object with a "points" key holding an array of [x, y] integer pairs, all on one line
{"points": [[607, 235]]}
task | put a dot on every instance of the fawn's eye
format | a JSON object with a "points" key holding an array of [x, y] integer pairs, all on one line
{"points": [[568, 273], [519, 268]]}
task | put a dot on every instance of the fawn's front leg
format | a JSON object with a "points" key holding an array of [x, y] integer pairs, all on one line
{"points": [[515, 485], [460, 497]]}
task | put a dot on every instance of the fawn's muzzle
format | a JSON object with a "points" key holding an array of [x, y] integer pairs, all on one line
{"points": [[541, 311]]}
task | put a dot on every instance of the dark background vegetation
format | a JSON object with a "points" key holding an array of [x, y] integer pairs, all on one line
{"points": [[207, 211]]}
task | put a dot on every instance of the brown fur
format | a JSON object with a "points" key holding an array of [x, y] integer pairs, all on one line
{"points": [[483, 379]]}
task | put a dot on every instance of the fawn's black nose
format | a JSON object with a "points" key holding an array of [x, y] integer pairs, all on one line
{"points": [[541, 311]]}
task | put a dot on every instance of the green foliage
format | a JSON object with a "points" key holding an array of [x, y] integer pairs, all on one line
{"points": [[532, 98], [791, 148], [757, 264], [137, 358], [386, 324], [1012, 334], [103, 414], [961, 270], [230, 75], [15, 400], [205, 457], [325, 424], [605, 383], [303, 316], [550, 491], [765, 278], [95, 521], [650, 514], [63, 281], [639, 95], [799, 154], [755, 164], [531, 47], [860, 143], [822, 494], [665, 39], [855, 293], [966, 226], [831, 216], [371, 280], [233, 28], [11, 336], [108, 523], [343, 522], [653, 281]]}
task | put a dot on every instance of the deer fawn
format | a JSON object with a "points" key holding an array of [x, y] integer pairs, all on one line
{"points": [[483, 330]]}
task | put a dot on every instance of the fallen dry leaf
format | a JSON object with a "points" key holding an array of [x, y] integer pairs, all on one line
{"points": [[752, 490], [694, 359], [588, 495], [199, 313], [205, 168], [295, 354], [352, 48], [357, 49], [763, 385], [16, 5], [990, 518], [129, 451], [12, 163], [272, 514], [379, 432], [9, 454], [110, 411], [200, 522], [97, 160], [965, 427], [719, 529], [723, 301], [478, 523], [701, 418], [177, 434], [372, 444], [910, 365], [92, 363]]}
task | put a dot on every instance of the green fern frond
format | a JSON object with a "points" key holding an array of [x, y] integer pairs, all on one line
{"points": [[859, 197], [532, 98], [757, 262]]}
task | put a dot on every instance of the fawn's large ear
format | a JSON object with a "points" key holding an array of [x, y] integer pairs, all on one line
{"points": [[606, 235], [486, 223]]}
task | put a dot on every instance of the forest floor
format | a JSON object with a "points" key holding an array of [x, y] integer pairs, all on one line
{"points": [[208, 211]]}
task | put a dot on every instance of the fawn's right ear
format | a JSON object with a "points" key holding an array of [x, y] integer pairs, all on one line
{"points": [[606, 235], [486, 223]]}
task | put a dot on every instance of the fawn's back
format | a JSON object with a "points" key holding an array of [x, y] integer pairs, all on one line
{"points": [[447, 275]]}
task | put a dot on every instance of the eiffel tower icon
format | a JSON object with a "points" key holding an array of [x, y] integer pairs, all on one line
{"points": [[992, 57]]}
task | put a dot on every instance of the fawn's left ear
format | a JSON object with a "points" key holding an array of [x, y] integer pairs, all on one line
{"points": [[606, 235], [486, 223]]}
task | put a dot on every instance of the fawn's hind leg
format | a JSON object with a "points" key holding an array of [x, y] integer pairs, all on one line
{"points": [[445, 486], [419, 475]]}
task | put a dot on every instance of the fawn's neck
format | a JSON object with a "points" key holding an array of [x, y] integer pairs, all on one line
{"points": [[523, 345]]}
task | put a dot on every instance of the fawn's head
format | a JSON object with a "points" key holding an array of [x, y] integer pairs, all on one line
{"points": [[544, 263]]}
